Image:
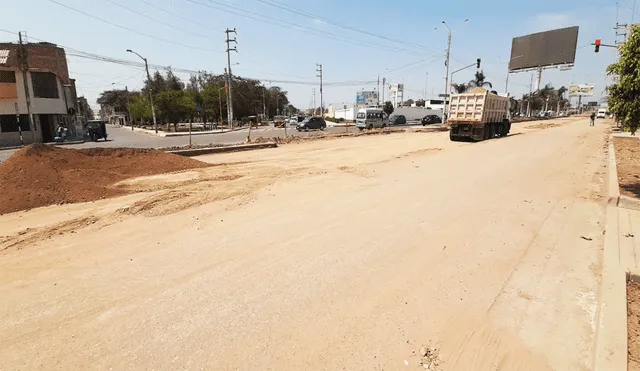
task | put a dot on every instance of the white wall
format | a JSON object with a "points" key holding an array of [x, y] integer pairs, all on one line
{"points": [[38, 105], [348, 114]]}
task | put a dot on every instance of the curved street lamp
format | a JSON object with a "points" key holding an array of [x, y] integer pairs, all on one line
{"points": [[447, 89], [153, 110]]}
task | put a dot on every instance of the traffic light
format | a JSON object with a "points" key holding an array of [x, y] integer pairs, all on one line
{"points": [[478, 63], [598, 42]]}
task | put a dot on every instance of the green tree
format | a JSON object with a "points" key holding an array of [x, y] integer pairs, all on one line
{"points": [[624, 95], [388, 108], [479, 81], [140, 108], [175, 106], [114, 100], [214, 99]]}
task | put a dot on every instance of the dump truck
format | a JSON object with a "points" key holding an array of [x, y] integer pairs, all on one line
{"points": [[478, 115]]}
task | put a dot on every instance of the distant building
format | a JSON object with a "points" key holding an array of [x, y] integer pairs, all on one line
{"points": [[52, 93]]}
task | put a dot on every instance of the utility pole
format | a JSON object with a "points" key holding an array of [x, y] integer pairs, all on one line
{"points": [[264, 103], [384, 83], [314, 101], [378, 89], [447, 90], [228, 32], [24, 67], [529, 100], [624, 28], [426, 84], [319, 70], [126, 90]]}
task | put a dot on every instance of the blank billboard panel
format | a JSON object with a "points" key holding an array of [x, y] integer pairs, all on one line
{"points": [[543, 49]]}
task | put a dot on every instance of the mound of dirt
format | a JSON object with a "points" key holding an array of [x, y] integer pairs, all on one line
{"points": [[41, 175]]}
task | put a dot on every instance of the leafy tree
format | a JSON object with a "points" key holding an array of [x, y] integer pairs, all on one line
{"points": [[114, 100], [140, 108], [624, 95], [388, 108], [421, 103], [408, 103], [460, 88], [213, 96], [175, 106], [479, 81]]}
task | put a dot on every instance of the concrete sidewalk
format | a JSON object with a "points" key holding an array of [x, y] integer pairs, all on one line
{"points": [[621, 256]]}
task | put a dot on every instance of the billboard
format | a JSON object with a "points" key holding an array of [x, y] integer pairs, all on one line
{"points": [[396, 88], [584, 90], [367, 98], [544, 49]]}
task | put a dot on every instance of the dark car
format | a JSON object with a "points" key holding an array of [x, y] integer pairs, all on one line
{"points": [[397, 120], [311, 123], [431, 119]]}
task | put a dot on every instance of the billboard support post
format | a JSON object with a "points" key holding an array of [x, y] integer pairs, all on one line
{"points": [[538, 78]]}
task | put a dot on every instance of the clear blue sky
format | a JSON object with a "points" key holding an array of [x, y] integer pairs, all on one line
{"points": [[272, 47]]}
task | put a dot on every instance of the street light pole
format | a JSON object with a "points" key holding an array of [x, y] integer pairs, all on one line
{"points": [[447, 90], [447, 87], [153, 109]]}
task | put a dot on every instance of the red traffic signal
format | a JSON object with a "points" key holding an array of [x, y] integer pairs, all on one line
{"points": [[598, 42]]}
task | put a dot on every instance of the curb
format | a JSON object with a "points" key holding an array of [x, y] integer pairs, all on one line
{"points": [[183, 134], [611, 329], [49, 144], [206, 151]]}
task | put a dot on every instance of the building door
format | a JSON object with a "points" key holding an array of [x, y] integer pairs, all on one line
{"points": [[46, 125]]}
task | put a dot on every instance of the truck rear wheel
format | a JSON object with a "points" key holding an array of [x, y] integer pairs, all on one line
{"points": [[487, 132]]}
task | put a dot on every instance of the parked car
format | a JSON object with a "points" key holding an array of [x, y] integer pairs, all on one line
{"points": [[311, 123], [602, 113], [431, 119], [397, 120]]}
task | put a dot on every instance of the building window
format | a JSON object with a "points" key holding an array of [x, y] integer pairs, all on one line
{"points": [[9, 123], [45, 85], [7, 77]]}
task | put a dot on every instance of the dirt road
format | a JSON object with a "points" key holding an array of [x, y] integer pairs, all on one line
{"points": [[337, 254]]}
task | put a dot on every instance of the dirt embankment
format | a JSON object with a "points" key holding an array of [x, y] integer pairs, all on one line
{"points": [[633, 325], [41, 175], [628, 165]]}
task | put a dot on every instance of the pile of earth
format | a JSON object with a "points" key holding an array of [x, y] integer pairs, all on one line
{"points": [[41, 175]]}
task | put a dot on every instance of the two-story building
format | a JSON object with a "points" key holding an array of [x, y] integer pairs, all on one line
{"points": [[52, 93]]}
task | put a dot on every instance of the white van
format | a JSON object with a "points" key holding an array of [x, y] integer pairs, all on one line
{"points": [[371, 118], [602, 113]]}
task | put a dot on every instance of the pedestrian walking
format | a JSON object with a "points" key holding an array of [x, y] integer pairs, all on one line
{"points": [[593, 119]]}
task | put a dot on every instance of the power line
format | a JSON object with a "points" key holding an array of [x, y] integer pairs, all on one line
{"points": [[130, 29], [157, 20], [291, 9], [281, 23], [181, 17], [101, 58], [412, 64]]}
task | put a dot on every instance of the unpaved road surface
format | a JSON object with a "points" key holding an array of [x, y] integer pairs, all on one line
{"points": [[334, 254]]}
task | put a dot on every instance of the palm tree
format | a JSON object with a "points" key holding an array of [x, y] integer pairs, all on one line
{"points": [[479, 81], [460, 88]]}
